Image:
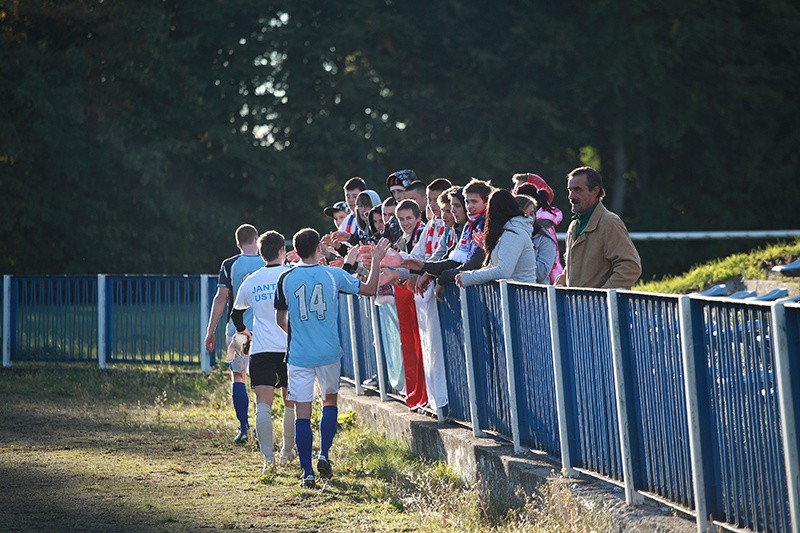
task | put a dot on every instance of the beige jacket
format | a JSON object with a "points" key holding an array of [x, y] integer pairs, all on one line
{"points": [[603, 255]]}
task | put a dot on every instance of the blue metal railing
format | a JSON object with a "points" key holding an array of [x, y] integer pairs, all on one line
{"points": [[674, 396], [389, 337], [743, 421], [367, 362], [489, 358], [650, 330], [153, 319], [532, 347], [54, 318], [589, 374], [455, 363], [348, 369]]}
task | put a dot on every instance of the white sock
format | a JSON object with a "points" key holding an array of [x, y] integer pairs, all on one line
{"points": [[288, 431], [264, 428]]}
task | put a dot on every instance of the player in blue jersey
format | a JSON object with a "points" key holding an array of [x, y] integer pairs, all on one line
{"points": [[307, 306], [232, 273], [268, 345]]}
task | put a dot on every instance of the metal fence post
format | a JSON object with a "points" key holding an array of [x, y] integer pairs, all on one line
{"points": [[510, 370], [6, 320], [473, 398], [354, 344], [558, 371], [787, 378], [376, 339], [101, 321], [691, 381], [205, 356], [631, 496]]}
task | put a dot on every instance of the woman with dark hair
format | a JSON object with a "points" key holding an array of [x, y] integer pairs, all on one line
{"points": [[508, 246]]}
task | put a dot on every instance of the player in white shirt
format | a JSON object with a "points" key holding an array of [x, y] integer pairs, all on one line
{"points": [[268, 345]]}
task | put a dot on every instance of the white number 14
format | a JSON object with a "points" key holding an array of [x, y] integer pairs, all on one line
{"points": [[315, 305]]}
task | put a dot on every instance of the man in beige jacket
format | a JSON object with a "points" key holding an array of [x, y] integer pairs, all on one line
{"points": [[599, 253]]}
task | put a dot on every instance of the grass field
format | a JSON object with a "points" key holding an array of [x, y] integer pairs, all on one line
{"points": [[90, 450]]}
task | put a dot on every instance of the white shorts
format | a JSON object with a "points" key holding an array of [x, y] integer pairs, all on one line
{"points": [[240, 363], [301, 381]]}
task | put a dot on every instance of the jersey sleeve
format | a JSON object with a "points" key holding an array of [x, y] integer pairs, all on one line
{"points": [[345, 282], [224, 278], [280, 297]]}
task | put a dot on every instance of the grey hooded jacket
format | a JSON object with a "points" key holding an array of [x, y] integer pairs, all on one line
{"points": [[513, 258]]}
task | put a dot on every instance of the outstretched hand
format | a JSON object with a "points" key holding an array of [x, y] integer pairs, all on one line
{"points": [[479, 238], [412, 264]]}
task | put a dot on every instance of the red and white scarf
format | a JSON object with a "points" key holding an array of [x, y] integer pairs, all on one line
{"points": [[433, 234]]}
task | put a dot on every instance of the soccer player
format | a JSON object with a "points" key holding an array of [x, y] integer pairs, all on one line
{"points": [[232, 273], [268, 345], [307, 306]]}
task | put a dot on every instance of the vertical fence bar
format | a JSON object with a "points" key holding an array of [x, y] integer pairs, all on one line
{"points": [[691, 378], [473, 399], [510, 371], [6, 320], [101, 321], [354, 344], [786, 396], [376, 339], [205, 356], [558, 373], [631, 496]]}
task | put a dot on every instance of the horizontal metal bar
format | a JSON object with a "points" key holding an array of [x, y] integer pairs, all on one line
{"points": [[703, 235]]}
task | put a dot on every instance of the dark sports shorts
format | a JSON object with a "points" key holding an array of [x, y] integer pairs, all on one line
{"points": [[268, 368]]}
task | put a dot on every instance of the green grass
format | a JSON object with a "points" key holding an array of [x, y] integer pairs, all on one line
{"points": [[150, 449], [753, 265]]}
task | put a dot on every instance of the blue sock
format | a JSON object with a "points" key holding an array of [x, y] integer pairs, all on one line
{"points": [[327, 428], [240, 404], [303, 441]]}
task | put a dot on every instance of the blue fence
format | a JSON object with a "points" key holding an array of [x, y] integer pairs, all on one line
{"points": [[693, 399], [629, 403], [110, 319]]}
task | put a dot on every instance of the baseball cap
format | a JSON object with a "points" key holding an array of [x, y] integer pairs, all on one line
{"points": [[338, 206], [400, 179]]}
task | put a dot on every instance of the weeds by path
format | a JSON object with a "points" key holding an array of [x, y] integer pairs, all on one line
{"points": [[83, 449]]}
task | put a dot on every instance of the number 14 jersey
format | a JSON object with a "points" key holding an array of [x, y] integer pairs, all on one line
{"points": [[310, 293]]}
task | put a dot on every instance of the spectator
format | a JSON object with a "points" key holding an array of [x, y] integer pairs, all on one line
{"points": [[364, 203], [375, 219], [508, 244], [408, 214], [600, 252], [547, 215], [543, 243], [387, 209], [338, 212], [416, 190], [397, 182], [352, 188]]}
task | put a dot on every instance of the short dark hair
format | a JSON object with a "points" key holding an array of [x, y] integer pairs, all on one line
{"points": [[389, 202], [593, 178], [417, 185], [410, 204], [246, 234], [445, 198], [355, 183], [439, 184], [269, 244], [479, 187], [305, 242]]}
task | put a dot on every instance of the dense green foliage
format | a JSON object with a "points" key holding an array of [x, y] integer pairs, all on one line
{"points": [[753, 265], [136, 135]]}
